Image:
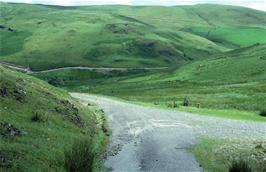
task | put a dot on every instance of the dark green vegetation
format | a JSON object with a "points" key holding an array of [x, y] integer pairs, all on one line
{"points": [[39, 123], [240, 166], [263, 113], [235, 155], [123, 36], [80, 157]]}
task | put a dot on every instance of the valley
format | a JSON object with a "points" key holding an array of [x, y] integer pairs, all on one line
{"points": [[132, 88]]}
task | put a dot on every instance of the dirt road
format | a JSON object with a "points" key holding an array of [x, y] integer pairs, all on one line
{"points": [[155, 140], [98, 69]]}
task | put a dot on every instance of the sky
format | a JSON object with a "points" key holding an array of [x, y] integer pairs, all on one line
{"points": [[256, 4]]}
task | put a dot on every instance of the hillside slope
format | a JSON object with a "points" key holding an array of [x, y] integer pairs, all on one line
{"points": [[234, 80], [39, 122], [44, 37]]}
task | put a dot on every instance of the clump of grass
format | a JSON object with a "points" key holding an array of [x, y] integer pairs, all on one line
{"points": [[240, 166], [39, 116], [80, 156], [55, 81], [186, 101], [263, 113]]}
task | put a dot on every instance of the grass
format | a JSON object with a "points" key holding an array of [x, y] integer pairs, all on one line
{"points": [[230, 114], [80, 156], [236, 81], [199, 67], [224, 85], [233, 37], [219, 155], [240, 165], [39, 122], [123, 36], [223, 113], [263, 113]]}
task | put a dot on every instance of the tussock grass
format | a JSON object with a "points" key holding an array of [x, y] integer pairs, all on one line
{"points": [[80, 156], [240, 166], [39, 116], [263, 113]]}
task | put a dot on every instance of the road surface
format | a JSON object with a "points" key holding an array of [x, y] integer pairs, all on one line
{"points": [[99, 69], [146, 139]]}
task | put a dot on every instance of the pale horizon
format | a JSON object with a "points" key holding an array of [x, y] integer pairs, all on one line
{"points": [[255, 4]]}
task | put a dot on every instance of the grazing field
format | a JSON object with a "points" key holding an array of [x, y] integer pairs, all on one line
{"points": [[123, 36], [232, 37], [235, 80], [205, 59], [39, 123]]}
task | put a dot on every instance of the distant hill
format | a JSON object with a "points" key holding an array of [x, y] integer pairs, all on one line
{"points": [[233, 80], [46, 37]]}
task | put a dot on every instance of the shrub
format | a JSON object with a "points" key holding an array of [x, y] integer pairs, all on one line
{"points": [[240, 166], [55, 81], [39, 116], [263, 113], [174, 104], [80, 157], [186, 101]]}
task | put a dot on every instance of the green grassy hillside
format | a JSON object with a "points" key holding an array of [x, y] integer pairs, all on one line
{"points": [[234, 80], [39, 122], [123, 36]]}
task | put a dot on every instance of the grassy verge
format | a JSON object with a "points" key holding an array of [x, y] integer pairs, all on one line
{"points": [[223, 113], [218, 155], [39, 123]]}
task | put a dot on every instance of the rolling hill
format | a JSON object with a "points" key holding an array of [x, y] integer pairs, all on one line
{"points": [[208, 59], [233, 80], [44, 37]]}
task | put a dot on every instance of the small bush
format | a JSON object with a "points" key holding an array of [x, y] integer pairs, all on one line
{"points": [[186, 101], [80, 157], [55, 81], [174, 104], [39, 116], [240, 166], [263, 113]]}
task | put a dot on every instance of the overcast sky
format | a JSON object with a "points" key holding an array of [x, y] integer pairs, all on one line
{"points": [[256, 4]]}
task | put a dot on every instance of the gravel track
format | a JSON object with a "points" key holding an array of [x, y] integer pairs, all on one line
{"points": [[147, 139], [98, 69]]}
